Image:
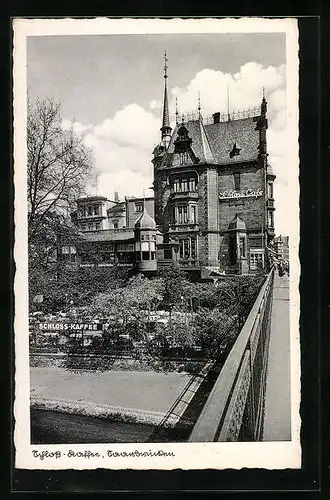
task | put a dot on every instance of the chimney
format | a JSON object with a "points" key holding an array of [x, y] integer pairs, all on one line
{"points": [[116, 196], [216, 117]]}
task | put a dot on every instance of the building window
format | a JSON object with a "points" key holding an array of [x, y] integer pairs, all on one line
{"points": [[187, 248], [97, 225], [242, 247], [115, 224], [184, 158], [145, 255], [232, 249], [237, 181], [173, 215], [90, 226], [96, 210], [82, 212], [270, 219], [193, 249], [90, 210], [69, 254], [192, 184], [185, 214], [256, 259], [180, 212], [270, 190], [184, 185], [193, 214], [138, 207]]}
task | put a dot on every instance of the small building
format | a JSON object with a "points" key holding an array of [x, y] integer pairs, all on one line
{"points": [[145, 236]]}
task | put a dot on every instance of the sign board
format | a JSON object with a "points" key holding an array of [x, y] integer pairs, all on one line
{"points": [[69, 327], [232, 194]]}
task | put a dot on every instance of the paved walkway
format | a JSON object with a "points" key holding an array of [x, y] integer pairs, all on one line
{"points": [[277, 424]]}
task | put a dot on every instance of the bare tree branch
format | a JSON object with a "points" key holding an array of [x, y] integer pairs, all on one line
{"points": [[59, 163]]}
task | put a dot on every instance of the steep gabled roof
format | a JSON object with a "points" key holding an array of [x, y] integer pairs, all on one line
{"points": [[200, 144], [221, 143], [222, 137]]}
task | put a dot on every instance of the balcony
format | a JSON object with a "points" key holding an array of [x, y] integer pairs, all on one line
{"points": [[189, 264], [184, 195], [271, 231], [82, 217], [122, 233], [189, 226]]}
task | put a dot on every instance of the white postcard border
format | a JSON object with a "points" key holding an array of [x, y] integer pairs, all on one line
{"points": [[268, 455]]}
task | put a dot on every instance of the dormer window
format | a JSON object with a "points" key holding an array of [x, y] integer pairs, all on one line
{"points": [[235, 151], [184, 158]]}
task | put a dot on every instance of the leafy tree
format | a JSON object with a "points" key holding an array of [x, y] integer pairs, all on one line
{"points": [[129, 306], [174, 280], [213, 330]]}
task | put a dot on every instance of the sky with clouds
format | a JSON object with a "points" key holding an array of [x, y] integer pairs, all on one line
{"points": [[112, 86]]}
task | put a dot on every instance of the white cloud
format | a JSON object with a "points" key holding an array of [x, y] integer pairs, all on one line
{"points": [[155, 104], [245, 91], [123, 144]]}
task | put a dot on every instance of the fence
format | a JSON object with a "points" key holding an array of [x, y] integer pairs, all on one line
{"points": [[234, 410]]}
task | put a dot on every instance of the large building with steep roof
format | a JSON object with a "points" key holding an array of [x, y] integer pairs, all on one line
{"points": [[213, 201], [213, 190]]}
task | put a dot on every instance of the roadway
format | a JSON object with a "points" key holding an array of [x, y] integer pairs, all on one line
{"points": [[277, 423]]}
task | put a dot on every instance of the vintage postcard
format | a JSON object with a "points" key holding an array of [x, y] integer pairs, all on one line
{"points": [[156, 168]]}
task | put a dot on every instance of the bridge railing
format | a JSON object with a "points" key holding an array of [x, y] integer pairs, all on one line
{"points": [[234, 410]]}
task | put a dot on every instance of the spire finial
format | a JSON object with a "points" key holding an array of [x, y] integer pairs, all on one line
{"points": [[176, 111], [199, 105], [165, 65], [144, 200], [182, 118], [263, 102], [228, 105]]}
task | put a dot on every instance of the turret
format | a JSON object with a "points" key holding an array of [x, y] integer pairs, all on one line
{"points": [[262, 127], [145, 232]]}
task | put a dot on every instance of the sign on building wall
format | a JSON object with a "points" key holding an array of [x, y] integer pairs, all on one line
{"points": [[232, 194]]}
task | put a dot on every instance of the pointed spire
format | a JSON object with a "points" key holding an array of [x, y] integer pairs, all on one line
{"points": [[263, 103], [166, 127], [199, 106], [228, 106], [176, 111]]}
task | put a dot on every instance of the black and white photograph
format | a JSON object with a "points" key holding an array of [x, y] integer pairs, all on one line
{"points": [[156, 243]]}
